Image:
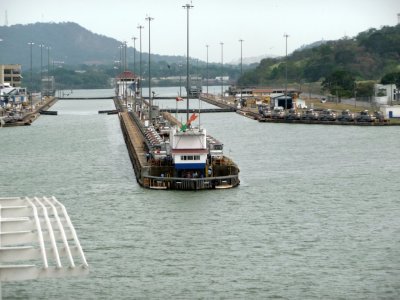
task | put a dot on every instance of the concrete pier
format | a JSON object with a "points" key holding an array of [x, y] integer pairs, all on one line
{"points": [[27, 117], [135, 143]]}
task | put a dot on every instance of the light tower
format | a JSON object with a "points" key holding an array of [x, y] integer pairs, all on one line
{"points": [[286, 37], [187, 7], [148, 18]]}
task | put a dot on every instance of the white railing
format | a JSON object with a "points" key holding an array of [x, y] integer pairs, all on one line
{"points": [[38, 240]]}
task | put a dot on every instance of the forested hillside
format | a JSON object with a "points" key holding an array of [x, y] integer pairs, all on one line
{"points": [[70, 43], [368, 56]]}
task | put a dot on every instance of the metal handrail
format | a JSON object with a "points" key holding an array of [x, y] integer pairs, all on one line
{"points": [[40, 233], [71, 227], [63, 235], [51, 233]]}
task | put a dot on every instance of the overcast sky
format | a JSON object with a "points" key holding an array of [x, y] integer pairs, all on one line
{"points": [[260, 23]]}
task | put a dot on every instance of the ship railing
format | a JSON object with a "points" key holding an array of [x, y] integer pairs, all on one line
{"points": [[179, 183]]}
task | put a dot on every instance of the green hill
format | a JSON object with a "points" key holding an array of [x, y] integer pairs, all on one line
{"points": [[70, 43], [368, 56]]}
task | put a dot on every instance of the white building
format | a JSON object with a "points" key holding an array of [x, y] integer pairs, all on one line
{"points": [[385, 94], [390, 111]]}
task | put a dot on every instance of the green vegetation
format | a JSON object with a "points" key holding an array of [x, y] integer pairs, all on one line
{"points": [[340, 83], [82, 59], [391, 78], [368, 56], [95, 57]]}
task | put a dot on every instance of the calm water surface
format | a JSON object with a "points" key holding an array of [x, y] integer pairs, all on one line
{"points": [[316, 215]]}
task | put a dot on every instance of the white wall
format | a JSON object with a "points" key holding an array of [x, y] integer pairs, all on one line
{"points": [[385, 109]]}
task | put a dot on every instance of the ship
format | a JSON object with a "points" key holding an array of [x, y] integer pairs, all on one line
{"points": [[167, 154]]}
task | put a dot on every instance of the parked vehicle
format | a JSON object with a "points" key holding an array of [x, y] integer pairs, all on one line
{"points": [[265, 111], [278, 113], [346, 116], [327, 115], [293, 114], [365, 116], [309, 114], [380, 116]]}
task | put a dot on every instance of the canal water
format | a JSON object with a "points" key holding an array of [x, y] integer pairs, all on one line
{"points": [[316, 215]]}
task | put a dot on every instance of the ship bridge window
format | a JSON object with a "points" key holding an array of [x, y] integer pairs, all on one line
{"points": [[190, 157]]}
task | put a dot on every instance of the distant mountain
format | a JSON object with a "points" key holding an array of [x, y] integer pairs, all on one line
{"points": [[70, 43]]}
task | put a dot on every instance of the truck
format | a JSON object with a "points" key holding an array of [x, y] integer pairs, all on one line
{"points": [[365, 116]]}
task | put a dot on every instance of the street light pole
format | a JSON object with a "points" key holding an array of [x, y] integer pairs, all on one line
{"points": [[140, 27], [134, 54], [207, 68], [48, 70], [150, 98], [286, 37], [187, 7], [134, 70], [222, 70], [31, 84], [241, 67], [180, 80], [41, 66]]}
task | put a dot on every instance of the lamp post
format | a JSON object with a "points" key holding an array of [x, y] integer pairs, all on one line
{"points": [[222, 70], [124, 44], [241, 67], [187, 7], [125, 57], [31, 84], [48, 70], [140, 27], [150, 98], [41, 66], [286, 37], [207, 68], [134, 70], [120, 58], [180, 80], [134, 54]]}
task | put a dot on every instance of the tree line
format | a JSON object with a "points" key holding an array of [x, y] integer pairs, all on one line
{"points": [[343, 67]]}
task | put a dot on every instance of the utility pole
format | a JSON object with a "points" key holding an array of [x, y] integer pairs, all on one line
{"points": [[187, 7]]}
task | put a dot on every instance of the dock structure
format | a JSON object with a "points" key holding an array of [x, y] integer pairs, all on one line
{"points": [[87, 98], [211, 99], [26, 118], [202, 110], [135, 143]]}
